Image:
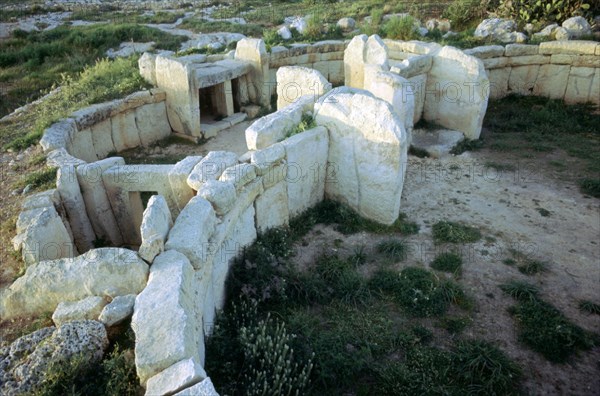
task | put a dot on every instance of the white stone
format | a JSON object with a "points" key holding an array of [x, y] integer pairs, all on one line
{"points": [[354, 59], [306, 155], [456, 92], [367, 154], [495, 27], [163, 317], [272, 208], [192, 229], [156, 223], [221, 194], [498, 82], [204, 388], [181, 375], [376, 52], [88, 308], [300, 24], [178, 176], [147, 66], [522, 79], [127, 49], [552, 81], [100, 272], [70, 194], [210, 167], [152, 123], [437, 143], [125, 133], [561, 34], [96, 201], [520, 50], [119, 309], [267, 158], [102, 138], [254, 52], [58, 135], [42, 200], [82, 145], [284, 32], [346, 24], [60, 157], [486, 51], [294, 82], [577, 26], [273, 128], [239, 175]]}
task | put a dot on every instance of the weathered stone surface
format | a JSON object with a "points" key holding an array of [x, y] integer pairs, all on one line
{"points": [[456, 92], [70, 193], [82, 145], [579, 47], [522, 79], [100, 272], [147, 66], [192, 230], [254, 52], [495, 63], [273, 128], [96, 201], [487, 51], [178, 175], [528, 60], [181, 375], [58, 135], [210, 167], [28, 358], [306, 168], [417, 85], [102, 138], [125, 133], [520, 50], [413, 66], [221, 194], [119, 309], [204, 388], [272, 208], [239, 175], [46, 238], [498, 29], [577, 26], [498, 82], [60, 157], [376, 52], [156, 223], [552, 81], [163, 317], [267, 158], [294, 82], [88, 308], [354, 56], [346, 24], [367, 154], [579, 85], [152, 123]]}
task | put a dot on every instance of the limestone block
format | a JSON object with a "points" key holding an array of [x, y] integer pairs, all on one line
{"points": [[562, 59], [354, 56], [203, 388], [119, 309], [102, 138], [181, 375], [367, 154], [42, 200], [82, 145], [595, 88], [100, 272], [210, 167], [152, 123], [163, 317], [528, 60], [267, 158], [306, 155], [147, 65], [579, 84], [414, 47], [294, 82], [156, 223], [96, 201], [91, 115], [456, 96], [70, 194], [178, 176], [239, 175], [274, 175], [487, 51], [26, 217], [60, 157], [89, 308], [520, 50], [254, 52], [47, 238], [496, 63], [413, 66], [272, 208], [552, 81], [576, 47], [498, 82], [522, 79], [586, 61], [221, 194], [376, 52], [125, 133], [417, 85], [58, 135], [273, 128], [192, 229]]}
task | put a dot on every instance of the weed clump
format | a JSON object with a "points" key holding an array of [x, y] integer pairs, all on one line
{"points": [[394, 249], [590, 187], [451, 232], [589, 307], [448, 262]]}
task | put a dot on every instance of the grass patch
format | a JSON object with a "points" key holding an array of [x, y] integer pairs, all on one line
{"points": [[589, 307], [418, 152], [466, 145], [532, 267], [39, 180], [519, 290], [307, 122], [455, 325], [590, 187], [448, 262], [452, 232], [395, 249], [204, 26]]}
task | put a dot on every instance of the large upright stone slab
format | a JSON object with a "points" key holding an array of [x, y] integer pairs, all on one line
{"points": [[156, 223], [254, 52], [163, 317], [367, 153], [376, 52], [307, 174], [152, 122], [272, 208], [354, 56], [552, 81], [456, 94], [125, 133], [293, 82], [178, 175]]}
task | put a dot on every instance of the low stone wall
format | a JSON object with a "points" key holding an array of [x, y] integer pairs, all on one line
{"points": [[94, 132], [568, 70]]}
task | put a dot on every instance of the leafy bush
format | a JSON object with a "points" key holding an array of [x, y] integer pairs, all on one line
{"points": [[537, 11], [400, 28], [307, 122], [451, 232], [462, 12]]}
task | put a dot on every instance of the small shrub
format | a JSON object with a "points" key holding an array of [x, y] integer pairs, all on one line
{"points": [[449, 262], [451, 232], [532, 267], [394, 249], [461, 12], [541, 12], [400, 28], [307, 122], [520, 290], [455, 325], [589, 307], [314, 27], [590, 187]]}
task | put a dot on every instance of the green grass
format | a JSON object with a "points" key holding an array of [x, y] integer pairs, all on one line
{"points": [[203, 26], [589, 307], [400, 28], [455, 325], [466, 145], [448, 262], [35, 61], [39, 180], [394, 249], [519, 290], [532, 267], [590, 187], [452, 232]]}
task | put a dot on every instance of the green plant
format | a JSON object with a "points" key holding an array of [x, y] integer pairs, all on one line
{"points": [[520, 290], [466, 145], [394, 249], [449, 262], [590, 187], [400, 28], [589, 307], [455, 325], [314, 27], [39, 179], [452, 232], [307, 122], [462, 12], [532, 267], [540, 12]]}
